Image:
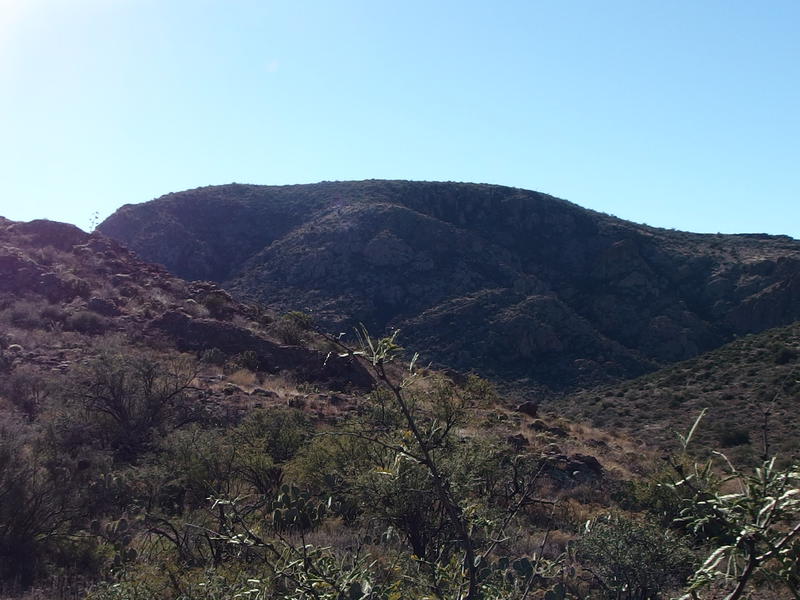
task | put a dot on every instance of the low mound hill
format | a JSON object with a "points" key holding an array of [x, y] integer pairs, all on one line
{"points": [[522, 286], [62, 292], [751, 388]]}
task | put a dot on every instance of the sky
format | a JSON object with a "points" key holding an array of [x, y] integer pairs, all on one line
{"points": [[679, 114]]}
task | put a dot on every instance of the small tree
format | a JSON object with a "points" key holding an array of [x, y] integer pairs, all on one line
{"points": [[128, 397], [416, 421], [36, 505]]}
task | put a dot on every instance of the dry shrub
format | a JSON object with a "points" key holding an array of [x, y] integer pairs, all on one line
{"points": [[87, 322], [243, 378]]}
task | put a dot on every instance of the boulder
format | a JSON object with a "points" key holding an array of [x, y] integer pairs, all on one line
{"points": [[529, 407], [540, 426], [517, 441], [17, 273], [103, 306]]}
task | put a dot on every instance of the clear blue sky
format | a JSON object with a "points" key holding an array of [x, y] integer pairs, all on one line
{"points": [[680, 114]]}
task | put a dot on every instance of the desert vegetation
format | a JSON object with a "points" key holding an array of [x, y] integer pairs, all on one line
{"points": [[119, 481], [178, 444]]}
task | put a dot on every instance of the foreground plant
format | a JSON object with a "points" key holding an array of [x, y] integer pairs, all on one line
{"points": [[752, 520], [418, 429]]}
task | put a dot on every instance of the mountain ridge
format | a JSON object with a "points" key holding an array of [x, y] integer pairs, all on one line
{"points": [[554, 293]]}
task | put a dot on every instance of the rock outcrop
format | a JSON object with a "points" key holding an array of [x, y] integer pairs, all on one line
{"points": [[306, 363]]}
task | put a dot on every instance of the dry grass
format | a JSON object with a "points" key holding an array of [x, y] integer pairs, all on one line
{"points": [[245, 379]]}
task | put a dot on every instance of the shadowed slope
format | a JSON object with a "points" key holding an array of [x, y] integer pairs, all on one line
{"points": [[551, 292]]}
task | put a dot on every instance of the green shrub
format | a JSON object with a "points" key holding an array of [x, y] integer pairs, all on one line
{"points": [[279, 433], [292, 328], [214, 356], [195, 464], [633, 560]]}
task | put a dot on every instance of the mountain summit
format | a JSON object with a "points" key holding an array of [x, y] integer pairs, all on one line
{"points": [[511, 282]]}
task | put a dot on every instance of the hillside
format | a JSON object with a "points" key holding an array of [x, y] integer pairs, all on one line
{"points": [[520, 285], [59, 284], [159, 439], [747, 385], [128, 397]]}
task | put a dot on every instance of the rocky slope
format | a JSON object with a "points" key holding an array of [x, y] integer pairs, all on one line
{"points": [[514, 283], [63, 292]]}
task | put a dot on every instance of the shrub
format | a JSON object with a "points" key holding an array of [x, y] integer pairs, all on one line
{"points": [[633, 560], [53, 313], [750, 517], [783, 354], [35, 505], [246, 360], [278, 433], [292, 327], [27, 389], [213, 356], [196, 463], [128, 397], [25, 314], [218, 304], [734, 437], [87, 322]]}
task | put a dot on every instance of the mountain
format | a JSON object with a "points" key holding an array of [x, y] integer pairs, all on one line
{"points": [[523, 286]]}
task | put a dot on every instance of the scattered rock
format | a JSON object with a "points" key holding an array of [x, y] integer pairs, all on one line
{"points": [[307, 364], [62, 289], [118, 279], [540, 426]]}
